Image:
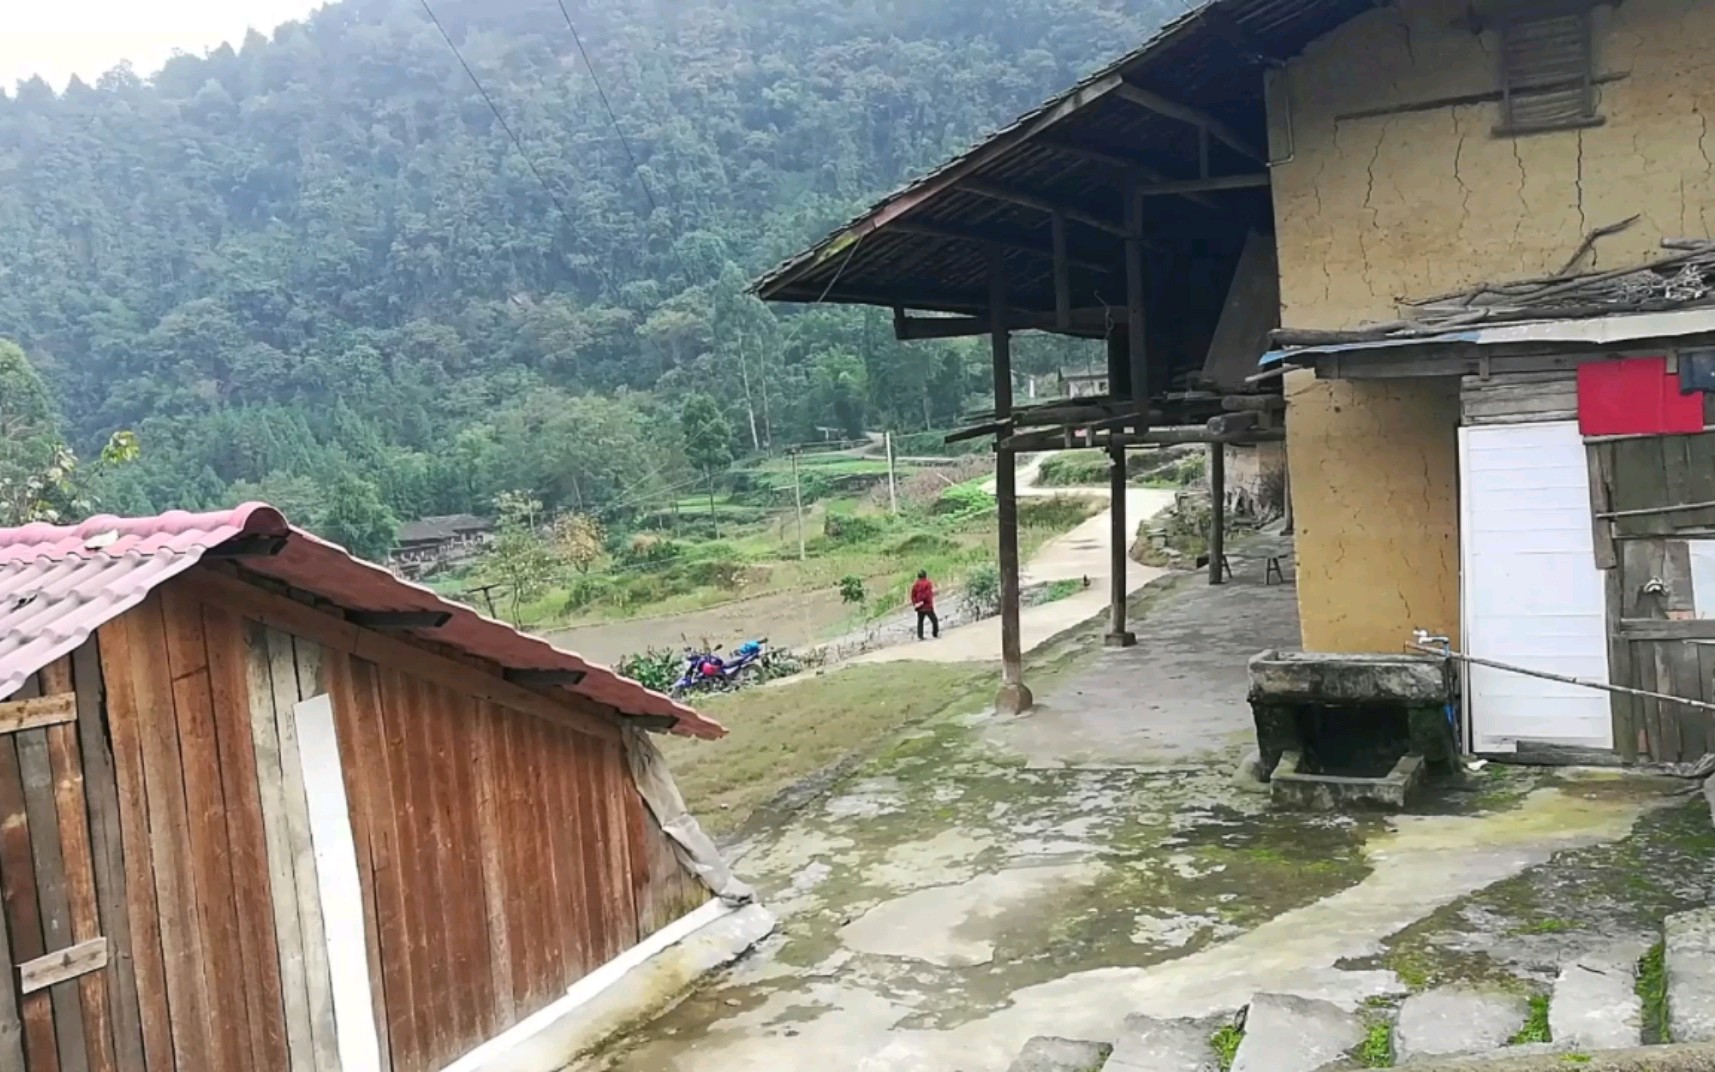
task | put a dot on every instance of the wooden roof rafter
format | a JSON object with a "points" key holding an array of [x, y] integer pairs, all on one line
{"points": [[1180, 119]]}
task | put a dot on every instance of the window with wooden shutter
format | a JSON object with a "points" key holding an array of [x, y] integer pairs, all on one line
{"points": [[1547, 71]]}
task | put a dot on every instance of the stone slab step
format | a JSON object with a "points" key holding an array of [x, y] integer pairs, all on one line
{"points": [[1595, 1004], [1690, 961], [1045, 1053], [1453, 1021], [1151, 1045], [1292, 1034]]}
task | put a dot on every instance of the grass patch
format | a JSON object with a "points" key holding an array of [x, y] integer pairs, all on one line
{"points": [[781, 735], [1652, 991], [1062, 589], [1544, 926], [1535, 1027], [1376, 1051], [1576, 1058], [1225, 1043]]}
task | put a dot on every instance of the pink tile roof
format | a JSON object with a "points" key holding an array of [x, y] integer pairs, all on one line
{"points": [[58, 584]]}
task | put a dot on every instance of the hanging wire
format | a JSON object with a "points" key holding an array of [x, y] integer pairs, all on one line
{"points": [[501, 119], [619, 132], [850, 253]]}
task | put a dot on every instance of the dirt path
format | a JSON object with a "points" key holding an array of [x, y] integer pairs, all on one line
{"points": [[803, 618], [1081, 554]]}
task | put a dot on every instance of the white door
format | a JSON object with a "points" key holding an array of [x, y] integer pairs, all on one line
{"points": [[1532, 593]]}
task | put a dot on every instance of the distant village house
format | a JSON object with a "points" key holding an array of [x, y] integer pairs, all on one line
{"points": [[435, 543]]}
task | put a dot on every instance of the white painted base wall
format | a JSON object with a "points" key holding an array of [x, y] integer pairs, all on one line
{"points": [[1532, 595], [639, 983]]}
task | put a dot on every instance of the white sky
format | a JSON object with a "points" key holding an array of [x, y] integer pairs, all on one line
{"points": [[59, 38]]}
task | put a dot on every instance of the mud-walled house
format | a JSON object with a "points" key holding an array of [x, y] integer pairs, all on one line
{"points": [[1463, 239], [266, 806]]}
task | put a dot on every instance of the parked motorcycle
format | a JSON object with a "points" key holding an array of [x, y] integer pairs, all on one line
{"points": [[752, 654], [706, 671]]}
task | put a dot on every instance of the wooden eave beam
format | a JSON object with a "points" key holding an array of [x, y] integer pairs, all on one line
{"points": [[1082, 437], [906, 297], [1253, 181], [570, 710], [1025, 199], [1196, 117], [385, 620], [1127, 167], [1015, 243], [1092, 323], [545, 678]]}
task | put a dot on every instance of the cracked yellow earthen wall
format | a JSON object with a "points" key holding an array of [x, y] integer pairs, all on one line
{"points": [[1410, 205], [1375, 505], [1421, 202]]}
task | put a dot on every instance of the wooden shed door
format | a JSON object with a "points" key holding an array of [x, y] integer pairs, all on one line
{"points": [[54, 1008], [1660, 535], [1667, 630]]}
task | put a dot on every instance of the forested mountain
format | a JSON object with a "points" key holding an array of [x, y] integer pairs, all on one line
{"points": [[316, 269]]}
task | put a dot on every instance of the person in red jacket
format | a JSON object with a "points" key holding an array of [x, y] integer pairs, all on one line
{"points": [[923, 598]]}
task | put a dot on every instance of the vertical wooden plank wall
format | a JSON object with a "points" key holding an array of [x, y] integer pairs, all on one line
{"points": [[62, 890], [227, 961], [503, 857]]}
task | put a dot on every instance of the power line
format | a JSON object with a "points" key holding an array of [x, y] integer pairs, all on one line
{"points": [[607, 107], [619, 132], [501, 119]]}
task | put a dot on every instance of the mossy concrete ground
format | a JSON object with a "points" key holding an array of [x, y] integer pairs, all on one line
{"points": [[979, 880]]}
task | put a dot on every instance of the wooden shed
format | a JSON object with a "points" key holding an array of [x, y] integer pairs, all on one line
{"points": [[265, 806]]}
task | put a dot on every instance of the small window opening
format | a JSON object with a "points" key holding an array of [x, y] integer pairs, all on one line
{"points": [[1547, 71]]}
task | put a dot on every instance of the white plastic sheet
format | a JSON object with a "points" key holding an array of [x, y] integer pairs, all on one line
{"points": [[696, 850]]}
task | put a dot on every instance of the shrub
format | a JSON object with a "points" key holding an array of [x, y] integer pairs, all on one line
{"points": [[652, 668], [852, 528], [923, 545], [964, 500], [933, 444], [725, 573], [1073, 469], [585, 592], [649, 550], [852, 590], [1056, 511], [982, 590]]}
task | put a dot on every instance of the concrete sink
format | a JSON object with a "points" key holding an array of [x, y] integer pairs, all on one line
{"points": [[1351, 730]]}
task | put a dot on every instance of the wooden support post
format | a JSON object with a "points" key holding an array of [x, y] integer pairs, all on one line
{"points": [[1136, 295], [1062, 275], [892, 478], [798, 501], [1217, 512], [1119, 363], [1119, 553], [1014, 697]]}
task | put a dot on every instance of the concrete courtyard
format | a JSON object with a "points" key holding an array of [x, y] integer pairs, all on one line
{"points": [[982, 880]]}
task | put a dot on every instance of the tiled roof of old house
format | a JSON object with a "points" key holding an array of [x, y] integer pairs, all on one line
{"points": [[58, 584], [442, 528]]}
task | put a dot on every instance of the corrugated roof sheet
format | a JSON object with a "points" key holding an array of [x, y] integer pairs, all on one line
{"points": [[1619, 329], [58, 584]]}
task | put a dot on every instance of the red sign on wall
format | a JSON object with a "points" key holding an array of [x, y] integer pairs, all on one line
{"points": [[1636, 396]]}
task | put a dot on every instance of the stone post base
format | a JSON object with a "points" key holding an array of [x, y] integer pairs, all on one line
{"points": [[1014, 699]]}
